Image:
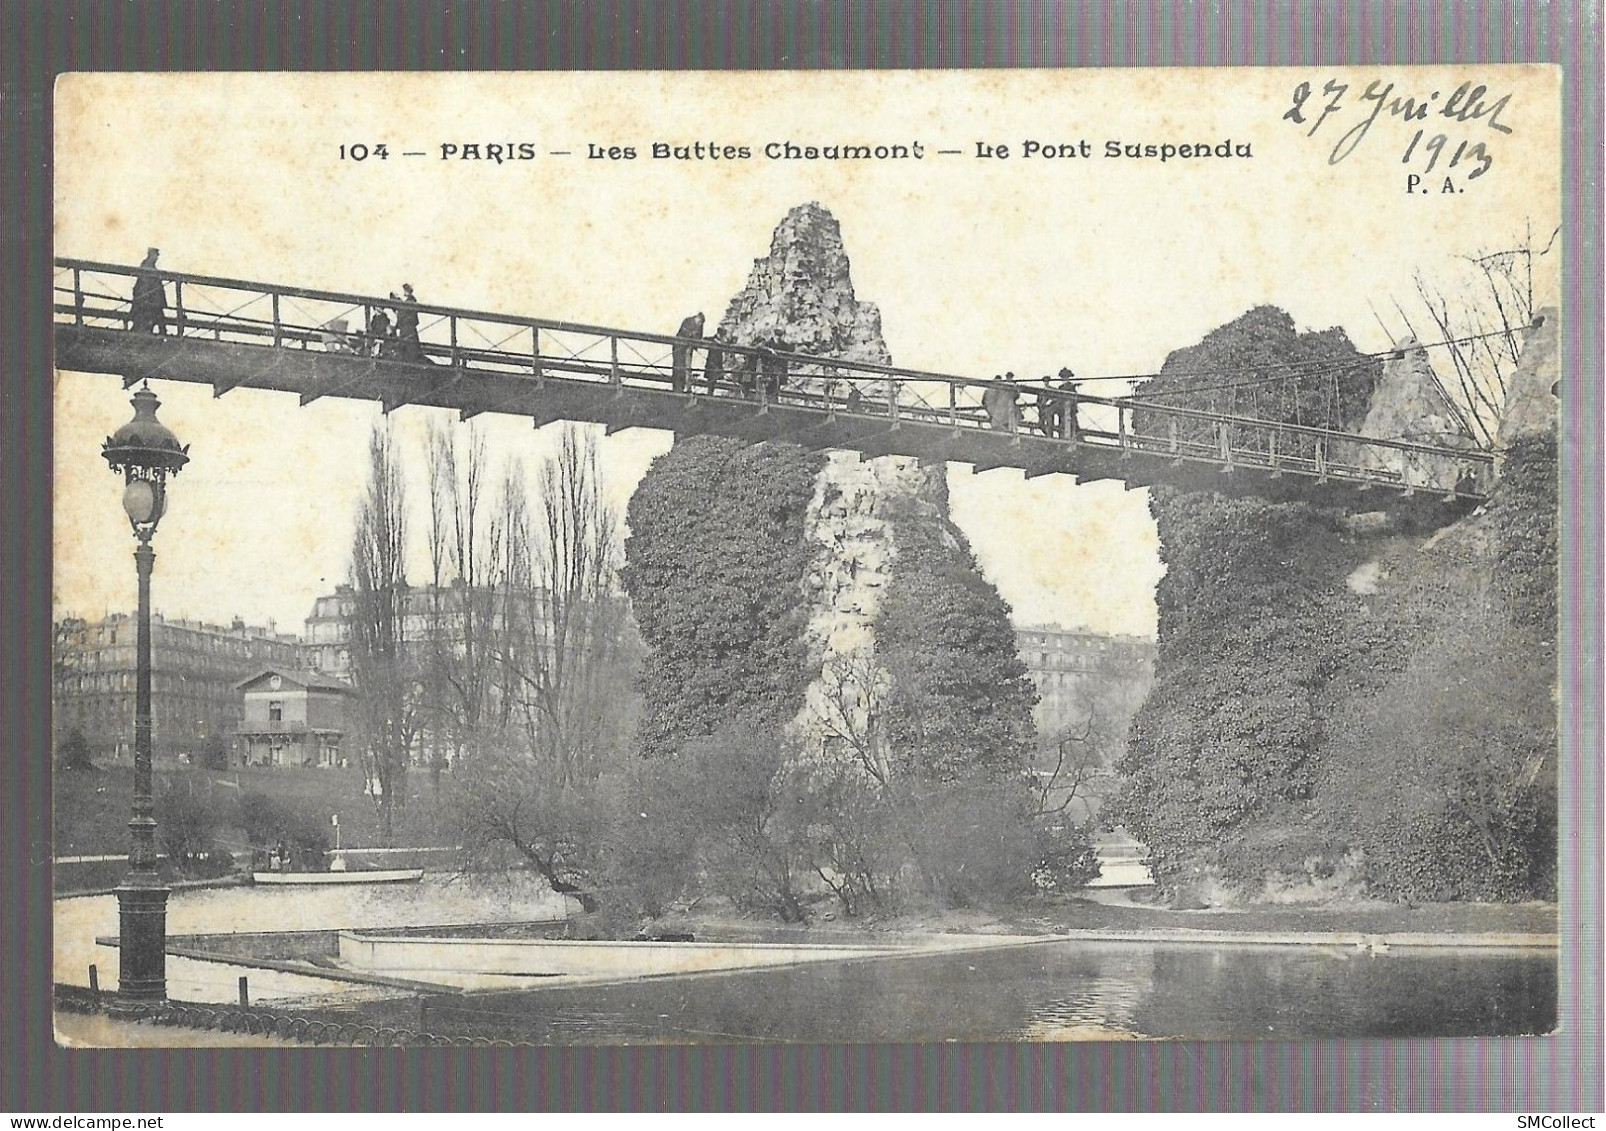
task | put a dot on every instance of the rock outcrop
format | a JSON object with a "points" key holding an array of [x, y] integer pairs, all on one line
{"points": [[801, 298], [1532, 400], [1408, 404]]}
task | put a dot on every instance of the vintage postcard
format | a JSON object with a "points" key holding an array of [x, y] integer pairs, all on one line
{"points": [[605, 558]]}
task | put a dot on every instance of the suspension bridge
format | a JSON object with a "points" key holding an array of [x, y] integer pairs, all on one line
{"points": [[232, 333]]}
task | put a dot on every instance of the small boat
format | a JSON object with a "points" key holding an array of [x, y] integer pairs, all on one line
{"points": [[375, 876], [338, 873]]}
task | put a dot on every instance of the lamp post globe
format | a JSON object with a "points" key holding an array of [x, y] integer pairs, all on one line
{"points": [[146, 453]]}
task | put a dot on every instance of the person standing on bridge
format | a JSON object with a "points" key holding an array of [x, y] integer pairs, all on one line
{"points": [[1066, 390], [680, 354], [999, 402], [378, 332], [747, 375], [1048, 409], [773, 369], [147, 313], [408, 347], [714, 361]]}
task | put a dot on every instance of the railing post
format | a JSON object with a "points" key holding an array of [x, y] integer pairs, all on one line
{"points": [[892, 397], [78, 295], [1226, 445], [245, 994], [278, 333], [1171, 428], [94, 986], [535, 354], [451, 329], [953, 405], [1321, 457], [1120, 426], [178, 304], [613, 360], [1272, 448]]}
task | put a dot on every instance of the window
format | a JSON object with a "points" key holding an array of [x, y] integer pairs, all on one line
{"points": [[275, 711]]}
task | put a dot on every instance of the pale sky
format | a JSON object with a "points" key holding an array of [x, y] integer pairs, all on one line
{"points": [[978, 265]]}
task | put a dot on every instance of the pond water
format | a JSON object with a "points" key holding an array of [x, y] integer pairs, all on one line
{"points": [[1057, 990], [1052, 991]]}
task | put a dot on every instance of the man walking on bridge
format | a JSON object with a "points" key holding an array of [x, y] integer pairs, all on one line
{"points": [[147, 314]]}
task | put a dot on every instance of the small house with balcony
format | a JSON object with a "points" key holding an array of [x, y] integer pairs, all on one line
{"points": [[293, 718]]}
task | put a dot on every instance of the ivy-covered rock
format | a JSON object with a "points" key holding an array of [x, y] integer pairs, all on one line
{"points": [[1331, 694], [961, 703], [714, 568]]}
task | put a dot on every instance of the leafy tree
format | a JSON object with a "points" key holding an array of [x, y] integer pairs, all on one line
{"points": [[1447, 783], [1252, 608], [270, 824], [382, 662], [1260, 366], [1294, 723]]}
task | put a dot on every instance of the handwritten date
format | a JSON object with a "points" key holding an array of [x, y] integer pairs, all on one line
{"points": [[1468, 105]]}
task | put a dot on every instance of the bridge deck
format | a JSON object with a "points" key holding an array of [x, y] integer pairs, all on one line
{"points": [[236, 334]]}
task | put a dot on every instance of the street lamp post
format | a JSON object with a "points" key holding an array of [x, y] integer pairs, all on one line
{"points": [[146, 453]]}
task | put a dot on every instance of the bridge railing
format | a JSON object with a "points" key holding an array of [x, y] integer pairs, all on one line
{"points": [[215, 309]]}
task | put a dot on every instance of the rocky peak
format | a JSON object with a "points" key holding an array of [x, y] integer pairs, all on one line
{"points": [[800, 296], [1532, 399], [1409, 404]]}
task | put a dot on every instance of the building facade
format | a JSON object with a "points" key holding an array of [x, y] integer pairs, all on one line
{"points": [[195, 667], [1071, 667], [292, 718], [431, 616]]}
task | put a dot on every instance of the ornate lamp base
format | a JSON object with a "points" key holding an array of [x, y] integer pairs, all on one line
{"points": [[141, 943]]}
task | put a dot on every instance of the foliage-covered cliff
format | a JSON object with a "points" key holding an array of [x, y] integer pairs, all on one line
{"points": [[714, 567], [1342, 700], [818, 629]]}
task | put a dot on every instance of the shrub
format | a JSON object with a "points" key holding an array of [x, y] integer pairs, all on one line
{"points": [[215, 752], [74, 752], [271, 826], [187, 822], [974, 842]]}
